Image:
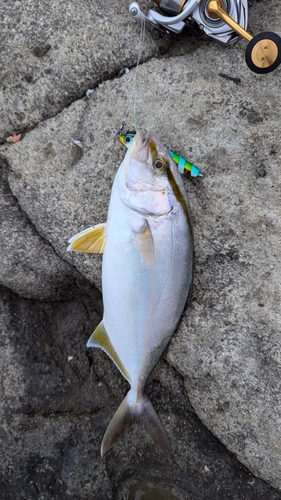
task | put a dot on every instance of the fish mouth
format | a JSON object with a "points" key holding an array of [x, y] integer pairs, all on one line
{"points": [[143, 148], [139, 148], [146, 212], [142, 190], [140, 186]]}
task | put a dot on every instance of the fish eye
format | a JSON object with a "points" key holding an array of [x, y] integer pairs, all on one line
{"points": [[128, 139], [160, 164]]}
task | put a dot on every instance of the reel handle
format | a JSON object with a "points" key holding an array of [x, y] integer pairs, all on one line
{"points": [[215, 9], [263, 52]]}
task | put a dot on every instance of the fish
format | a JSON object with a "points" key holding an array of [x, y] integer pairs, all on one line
{"points": [[147, 275], [184, 166]]}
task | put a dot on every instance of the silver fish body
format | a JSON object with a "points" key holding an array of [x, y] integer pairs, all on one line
{"points": [[147, 275]]}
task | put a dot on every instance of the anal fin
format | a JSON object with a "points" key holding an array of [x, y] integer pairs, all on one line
{"points": [[91, 240], [101, 339]]}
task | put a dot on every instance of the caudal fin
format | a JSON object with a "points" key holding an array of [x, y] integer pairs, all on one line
{"points": [[142, 412]]}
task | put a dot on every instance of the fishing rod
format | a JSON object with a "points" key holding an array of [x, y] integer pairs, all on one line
{"points": [[222, 20]]}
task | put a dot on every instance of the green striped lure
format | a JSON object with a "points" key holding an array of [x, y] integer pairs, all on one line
{"points": [[184, 166]]}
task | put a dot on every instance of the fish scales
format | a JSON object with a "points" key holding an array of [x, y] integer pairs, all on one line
{"points": [[148, 292], [147, 273]]}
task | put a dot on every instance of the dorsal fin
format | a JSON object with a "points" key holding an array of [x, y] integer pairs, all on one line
{"points": [[91, 240], [101, 339]]}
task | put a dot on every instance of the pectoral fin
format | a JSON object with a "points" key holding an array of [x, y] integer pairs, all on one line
{"points": [[101, 339], [91, 240], [143, 240]]}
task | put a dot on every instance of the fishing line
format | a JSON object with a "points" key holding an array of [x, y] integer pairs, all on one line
{"points": [[132, 93], [134, 122]]}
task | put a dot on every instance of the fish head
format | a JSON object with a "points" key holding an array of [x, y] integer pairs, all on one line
{"points": [[148, 180]]}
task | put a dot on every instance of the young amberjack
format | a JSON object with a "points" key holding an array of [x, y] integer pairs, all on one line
{"points": [[147, 271]]}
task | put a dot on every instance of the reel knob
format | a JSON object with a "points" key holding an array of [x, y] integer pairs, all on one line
{"points": [[263, 52]]}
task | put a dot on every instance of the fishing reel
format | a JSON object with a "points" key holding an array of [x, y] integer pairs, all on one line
{"points": [[223, 20]]}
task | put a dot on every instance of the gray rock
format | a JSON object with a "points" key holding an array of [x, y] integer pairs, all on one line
{"points": [[53, 53], [57, 399], [223, 363], [29, 264]]}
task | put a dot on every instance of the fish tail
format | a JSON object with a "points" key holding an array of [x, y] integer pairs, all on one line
{"points": [[142, 412]]}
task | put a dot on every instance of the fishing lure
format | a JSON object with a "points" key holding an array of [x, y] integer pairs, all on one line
{"points": [[184, 166]]}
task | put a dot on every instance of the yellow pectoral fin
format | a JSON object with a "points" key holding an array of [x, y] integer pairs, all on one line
{"points": [[144, 243], [91, 240], [101, 339]]}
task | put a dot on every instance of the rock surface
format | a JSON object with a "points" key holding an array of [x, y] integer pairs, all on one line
{"points": [[51, 53], [223, 364]]}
